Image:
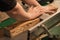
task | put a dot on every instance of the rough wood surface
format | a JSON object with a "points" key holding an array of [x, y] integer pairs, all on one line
{"points": [[21, 27]]}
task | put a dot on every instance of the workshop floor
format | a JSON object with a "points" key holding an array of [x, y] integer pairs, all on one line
{"points": [[57, 3]]}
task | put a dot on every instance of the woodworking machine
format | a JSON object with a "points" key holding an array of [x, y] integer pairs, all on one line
{"points": [[49, 26]]}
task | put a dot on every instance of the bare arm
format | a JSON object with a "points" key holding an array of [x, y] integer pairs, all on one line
{"points": [[32, 2], [28, 15]]}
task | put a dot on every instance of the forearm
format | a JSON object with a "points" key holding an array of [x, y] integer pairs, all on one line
{"points": [[32, 2], [19, 10], [34, 12], [27, 15]]}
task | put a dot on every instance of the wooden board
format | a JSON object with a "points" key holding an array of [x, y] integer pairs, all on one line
{"points": [[20, 28]]}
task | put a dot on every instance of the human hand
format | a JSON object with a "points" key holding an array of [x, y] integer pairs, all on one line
{"points": [[36, 10], [50, 9]]}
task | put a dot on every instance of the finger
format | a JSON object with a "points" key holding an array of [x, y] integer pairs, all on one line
{"points": [[50, 12]]}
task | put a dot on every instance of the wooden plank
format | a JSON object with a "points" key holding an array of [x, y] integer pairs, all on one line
{"points": [[21, 27]]}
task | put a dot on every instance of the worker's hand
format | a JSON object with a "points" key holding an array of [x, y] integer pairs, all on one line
{"points": [[50, 9], [36, 10]]}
